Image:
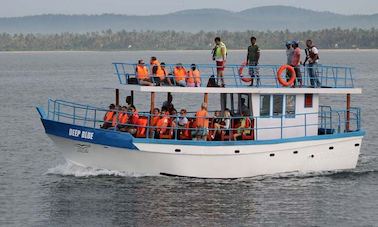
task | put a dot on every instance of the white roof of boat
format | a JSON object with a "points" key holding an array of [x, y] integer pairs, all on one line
{"points": [[251, 90]]}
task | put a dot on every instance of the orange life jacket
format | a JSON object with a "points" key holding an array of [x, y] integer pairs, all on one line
{"points": [[122, 118], [109, 116], [134, 118], [159, 72], [142, 72], [180, 74], [162, 123], [194, 76], [155, 120], [201, 120]]}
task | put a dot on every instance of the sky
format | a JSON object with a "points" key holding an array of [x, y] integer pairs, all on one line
{"points": [[15, 8]]}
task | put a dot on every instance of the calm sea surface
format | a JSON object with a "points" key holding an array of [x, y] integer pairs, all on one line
{"points": [[37, 187]]}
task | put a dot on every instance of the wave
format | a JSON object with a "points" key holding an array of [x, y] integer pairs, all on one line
{"points": [[70, 169]]}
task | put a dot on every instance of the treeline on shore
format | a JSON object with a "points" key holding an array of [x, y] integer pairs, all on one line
{"points": [[174, 40]]}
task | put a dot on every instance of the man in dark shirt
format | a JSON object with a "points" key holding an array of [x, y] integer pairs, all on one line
{"points": [[253, 57]]}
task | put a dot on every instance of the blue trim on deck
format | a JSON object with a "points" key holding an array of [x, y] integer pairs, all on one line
{"points": [[90, 135]]}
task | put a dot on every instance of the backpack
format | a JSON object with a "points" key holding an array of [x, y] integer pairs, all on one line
{"points": [[212, 82]]}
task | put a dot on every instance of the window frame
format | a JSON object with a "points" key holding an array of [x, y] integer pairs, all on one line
{"points": [[282, 105], [270, 105], [306, 104], [295, 107]]}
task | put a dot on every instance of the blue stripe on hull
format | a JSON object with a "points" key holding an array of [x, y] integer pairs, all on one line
{"points": [[125, 140], [97, 136]]}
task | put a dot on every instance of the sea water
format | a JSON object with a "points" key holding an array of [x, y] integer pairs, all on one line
{"points": [[38, 187]]}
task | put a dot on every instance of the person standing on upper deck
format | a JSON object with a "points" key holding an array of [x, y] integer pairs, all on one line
{"points": [[296, 62], [289, 56], [289, 52], [219, 56], [253, 57], [312, 56]]}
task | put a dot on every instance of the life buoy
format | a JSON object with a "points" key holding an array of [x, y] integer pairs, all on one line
{"points": [[283, 81], [240, 71]]}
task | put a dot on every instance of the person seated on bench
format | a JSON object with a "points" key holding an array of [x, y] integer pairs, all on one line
{"points": [[141, 72], [242, 128], [123, 118], [162, 123], [216, 122], [180, 75], [109, 117], [225, 125], [133, 120], [164, 76]]}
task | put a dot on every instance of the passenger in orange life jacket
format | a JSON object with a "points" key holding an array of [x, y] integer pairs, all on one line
{"points": [[202, 123], [166, 79], [180, 75], [194, 77], [122, 119], [156, 71], [162, 123], [133, 120], [109, 117], [155, 117], [142, 75]]}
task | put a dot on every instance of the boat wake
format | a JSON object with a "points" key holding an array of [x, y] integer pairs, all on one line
{"points": [[70, 169]]}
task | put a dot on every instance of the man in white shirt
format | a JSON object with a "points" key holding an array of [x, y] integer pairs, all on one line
{"points": [[312, 56]]}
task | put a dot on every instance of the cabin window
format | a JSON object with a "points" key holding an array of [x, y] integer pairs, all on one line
{"points": [[308, 100], [290, 106], [264, 105], [277, 105]]}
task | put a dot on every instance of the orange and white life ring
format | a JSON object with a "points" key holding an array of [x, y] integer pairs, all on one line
{"points": [[283, 81], [240, 71]]}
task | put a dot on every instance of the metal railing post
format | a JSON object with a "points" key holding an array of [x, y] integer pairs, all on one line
{"points": [[74, 115]]}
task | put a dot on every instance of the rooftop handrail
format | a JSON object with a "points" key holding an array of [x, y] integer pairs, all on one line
{"points": [[69, 112], [329, 76]]}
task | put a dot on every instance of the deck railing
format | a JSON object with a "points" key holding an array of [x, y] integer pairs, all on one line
{"points": [[327, 121], [238, 75]]}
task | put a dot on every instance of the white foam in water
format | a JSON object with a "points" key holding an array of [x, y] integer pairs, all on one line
{"points": [[70, 169]]}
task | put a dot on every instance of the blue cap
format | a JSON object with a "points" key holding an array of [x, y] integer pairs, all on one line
{"points": [[289, 43], [295, 42]]}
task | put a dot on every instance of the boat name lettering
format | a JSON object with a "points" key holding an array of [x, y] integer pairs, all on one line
{"points": [[81, 134]]}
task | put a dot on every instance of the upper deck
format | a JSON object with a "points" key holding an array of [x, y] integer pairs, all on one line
{"points": [[333, 80]]}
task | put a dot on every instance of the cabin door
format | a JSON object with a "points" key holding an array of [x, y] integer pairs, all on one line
{"points": [[237, 103]]}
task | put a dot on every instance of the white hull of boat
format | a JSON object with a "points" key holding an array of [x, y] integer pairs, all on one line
{"points": [[216, 161]]}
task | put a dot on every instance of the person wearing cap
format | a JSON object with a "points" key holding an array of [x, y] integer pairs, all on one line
{"points": [[289, 52], [194, 77], [296, 62]]}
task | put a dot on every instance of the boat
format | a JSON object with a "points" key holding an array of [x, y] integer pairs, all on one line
{"points": [[289, 130]]}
